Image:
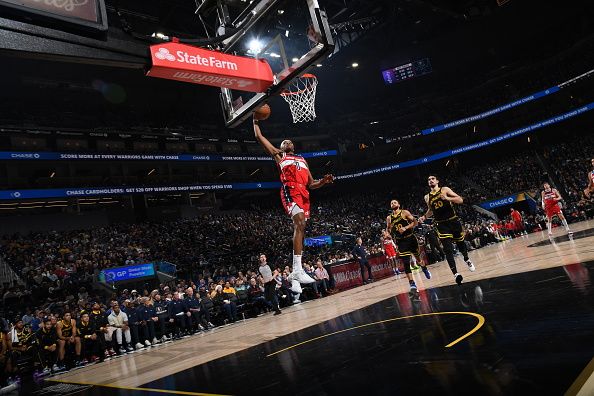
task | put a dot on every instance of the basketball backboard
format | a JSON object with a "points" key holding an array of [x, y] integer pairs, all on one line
{"points": [[293, 36]]}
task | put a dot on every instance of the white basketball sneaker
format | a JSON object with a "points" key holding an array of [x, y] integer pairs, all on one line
{"points": [[471, 266], [301, 277]]}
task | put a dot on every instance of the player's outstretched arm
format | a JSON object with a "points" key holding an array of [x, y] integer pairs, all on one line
{"points": [[451, 196], [265, 143], [313, 184], [388, 223]]}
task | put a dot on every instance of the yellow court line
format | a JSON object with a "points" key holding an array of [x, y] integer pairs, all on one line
{"points": [[176, 392], [579, 385], [481, 322]]}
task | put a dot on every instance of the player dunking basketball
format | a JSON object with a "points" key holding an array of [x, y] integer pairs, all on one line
{"points": [[296, 179], [550, 204], [400, 224], [440, 203]]}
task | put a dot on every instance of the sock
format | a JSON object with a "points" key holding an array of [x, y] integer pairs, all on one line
{"points": [[449, 253], [411, 282], [297, 263], [549, 226], [564, 221]]}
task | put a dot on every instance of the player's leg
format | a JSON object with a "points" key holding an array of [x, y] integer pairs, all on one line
{"points": [[61, 353], [564, 221], [298, 235], [298, 273], [458, 237], [550, 223], [77, 350], [448, 249], [394, 263], [408, 272], [414, 252], [444, 233]]}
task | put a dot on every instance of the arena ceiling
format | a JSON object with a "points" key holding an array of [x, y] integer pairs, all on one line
{"points": [[467, 42]]}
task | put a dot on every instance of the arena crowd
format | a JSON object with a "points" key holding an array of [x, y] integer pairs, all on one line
{"points": [[59, 320]]}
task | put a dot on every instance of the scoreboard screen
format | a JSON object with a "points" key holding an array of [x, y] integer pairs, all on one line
{"points": [[88, 15], [407, 71]]}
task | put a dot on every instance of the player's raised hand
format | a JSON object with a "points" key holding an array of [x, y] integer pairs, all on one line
{"points": [[328, 179]]}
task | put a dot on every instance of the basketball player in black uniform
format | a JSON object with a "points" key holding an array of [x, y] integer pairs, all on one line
{"points": [[440, 203], [47, 339], [67, 335], [90, 347], [400, 224]]}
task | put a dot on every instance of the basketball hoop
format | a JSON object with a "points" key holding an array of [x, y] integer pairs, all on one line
{"points": [[301, 97]]}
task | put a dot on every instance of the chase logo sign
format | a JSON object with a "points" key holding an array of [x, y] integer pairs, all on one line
{"points": [[503, 201]]}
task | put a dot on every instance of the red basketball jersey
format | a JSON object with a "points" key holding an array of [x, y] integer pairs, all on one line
{"points": [[389, 247], [549, 198], [293, 169]]}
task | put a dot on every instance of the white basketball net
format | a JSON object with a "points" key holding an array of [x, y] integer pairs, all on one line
{"points": [[301, 97]]}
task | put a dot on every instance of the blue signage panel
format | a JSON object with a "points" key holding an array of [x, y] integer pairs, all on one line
{"points": [[99, 191], [470, 147], [130, 272], [488, 113], [499, 202], [319, 241], [108, 191], [50, 156]]}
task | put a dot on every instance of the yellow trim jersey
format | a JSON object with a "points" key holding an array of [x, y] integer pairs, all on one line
{"points": [[443, 210], [66, 328], [397, 221]]}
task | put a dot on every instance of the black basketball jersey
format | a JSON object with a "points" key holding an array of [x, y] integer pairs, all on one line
{"points": [[397, 222], [85, 329], [442, 209], [67, 329]]}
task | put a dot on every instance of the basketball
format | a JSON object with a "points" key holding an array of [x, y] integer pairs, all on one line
{"points": [[262, 113]]}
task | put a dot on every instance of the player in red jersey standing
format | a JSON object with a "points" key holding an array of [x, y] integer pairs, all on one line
{"points": [[550, 204], [518, 222], [390, 250], [296, 179]]}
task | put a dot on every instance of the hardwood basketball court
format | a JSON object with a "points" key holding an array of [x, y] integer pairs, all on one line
{"points": [[522, 322]]}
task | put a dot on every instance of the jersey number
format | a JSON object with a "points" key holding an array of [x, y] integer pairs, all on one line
{"points": [[437, 205], [297, 165]]}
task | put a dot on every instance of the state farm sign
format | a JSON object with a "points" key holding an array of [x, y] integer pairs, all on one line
{"points": [[183, 62]]}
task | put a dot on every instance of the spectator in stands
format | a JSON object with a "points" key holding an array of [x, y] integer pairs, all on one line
{"points": [[321, 276], [192, 301], [256, 297], [162, 313], [178, 316], [118, 325], [146, 321]]}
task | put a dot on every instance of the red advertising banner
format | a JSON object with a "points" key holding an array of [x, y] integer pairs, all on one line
{"points": [[181, 62], [348, 274]]}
